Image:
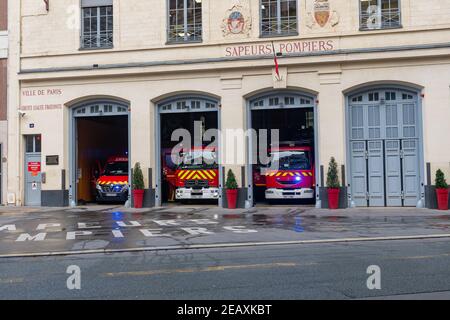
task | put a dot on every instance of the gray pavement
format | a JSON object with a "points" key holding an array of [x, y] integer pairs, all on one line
{"points": [[112, 228], [416, 269]]}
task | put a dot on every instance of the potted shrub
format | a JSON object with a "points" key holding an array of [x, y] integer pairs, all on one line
{"points": [[441, 190], [333, 184], [138, 186], [232, 191]]}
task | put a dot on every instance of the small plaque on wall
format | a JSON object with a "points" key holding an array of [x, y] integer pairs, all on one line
{"points": [[52, 160]]}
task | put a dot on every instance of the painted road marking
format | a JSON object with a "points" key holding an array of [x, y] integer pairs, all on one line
{"points": [[422, 257], [11, 281], [207, 269]]}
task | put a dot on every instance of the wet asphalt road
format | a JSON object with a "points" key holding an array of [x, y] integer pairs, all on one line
{"points": [[81, 230], [415, 268]]}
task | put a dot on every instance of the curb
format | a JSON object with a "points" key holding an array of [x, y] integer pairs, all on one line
{"points": [[222, 245]]}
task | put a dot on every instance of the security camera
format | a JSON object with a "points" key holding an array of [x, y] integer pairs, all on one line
{"points": [[21, 113]]}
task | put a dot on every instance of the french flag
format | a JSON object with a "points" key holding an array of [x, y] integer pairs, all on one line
{"points": [[275, 59]]}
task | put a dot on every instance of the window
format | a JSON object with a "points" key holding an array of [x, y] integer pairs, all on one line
{"points": [[97, 24], [379, 14], [185, 20], [33, 144], [278, 17]]}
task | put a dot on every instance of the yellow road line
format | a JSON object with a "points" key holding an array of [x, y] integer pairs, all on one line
{"points": [[422, 257], [10, 281], [207, 269]]}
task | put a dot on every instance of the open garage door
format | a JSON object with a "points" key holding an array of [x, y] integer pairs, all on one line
{"points": [[291, 175], [195, 176], [384, 139], [99, 153]]}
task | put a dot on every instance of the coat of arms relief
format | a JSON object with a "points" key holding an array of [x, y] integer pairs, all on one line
{"points": [[237, 19], [322, 15]]}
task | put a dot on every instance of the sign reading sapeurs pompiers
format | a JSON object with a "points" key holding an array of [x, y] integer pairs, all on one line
{"points": [[264, 49]]}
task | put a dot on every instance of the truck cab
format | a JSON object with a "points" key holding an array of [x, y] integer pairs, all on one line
{"points": [[197, 177], [112, 183], [290, 174]]}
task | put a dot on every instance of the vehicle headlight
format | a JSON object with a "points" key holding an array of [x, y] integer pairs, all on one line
{"points": [[125, 188], [98, 187]]}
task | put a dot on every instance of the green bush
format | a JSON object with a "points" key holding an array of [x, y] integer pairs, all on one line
{"points": [[138, 178], [332, 174], [440, 181], [231, 183]]}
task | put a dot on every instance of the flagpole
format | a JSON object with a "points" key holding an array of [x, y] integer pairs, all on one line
{"points": [[275, 59]]}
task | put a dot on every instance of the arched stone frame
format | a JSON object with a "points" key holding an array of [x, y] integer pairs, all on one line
{"points": [[268, 92], [107, 106], [170, 98], [400, 86]]}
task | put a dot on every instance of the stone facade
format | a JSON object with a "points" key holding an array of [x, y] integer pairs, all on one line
{"points": [[141, 68]]}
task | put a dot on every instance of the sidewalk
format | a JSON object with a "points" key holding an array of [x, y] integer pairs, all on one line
{"points": [[212, 210]]}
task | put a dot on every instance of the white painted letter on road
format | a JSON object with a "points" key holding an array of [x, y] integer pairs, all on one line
{"points": [[239, 229], [44, 226], [73, 234], [197, 231], [166, 223], [117, 234], [131, 224], [153, 233], [8, 227], [27, 237], [84, 225]]}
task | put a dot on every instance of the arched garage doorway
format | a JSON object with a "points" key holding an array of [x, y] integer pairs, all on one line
{"points": [[189, 182], [99, 131], [384, 147], [294, 114]]}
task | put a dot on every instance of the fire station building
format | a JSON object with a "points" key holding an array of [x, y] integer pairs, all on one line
{"points": [[365, 81]]}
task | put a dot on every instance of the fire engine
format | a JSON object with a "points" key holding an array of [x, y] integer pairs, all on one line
{"points": [[112, 183], [291, 172], [197, 177]]}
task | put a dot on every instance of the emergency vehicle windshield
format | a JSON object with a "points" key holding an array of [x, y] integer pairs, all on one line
{"points": [[116, 169], [199, 159], [291, 160]]}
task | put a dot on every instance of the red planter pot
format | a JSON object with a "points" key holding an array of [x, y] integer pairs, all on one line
{"points": [[232, 198], [442, 198], [138, 198], [333, 198]]}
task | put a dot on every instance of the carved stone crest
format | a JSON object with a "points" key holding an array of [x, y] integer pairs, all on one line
{"points": [[322, 14], [237, 20]]}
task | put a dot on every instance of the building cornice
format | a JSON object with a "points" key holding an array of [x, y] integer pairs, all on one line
{"points": [[205, 61]]}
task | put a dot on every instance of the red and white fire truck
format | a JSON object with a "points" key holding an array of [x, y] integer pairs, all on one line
{"points": [[197, 177], [112, 183], [290, 174]]}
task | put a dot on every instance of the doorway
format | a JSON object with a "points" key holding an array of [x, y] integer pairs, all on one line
{"points": [[384, 139], [198, 184], [99, 138], [33, 175], [293, 115]]}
